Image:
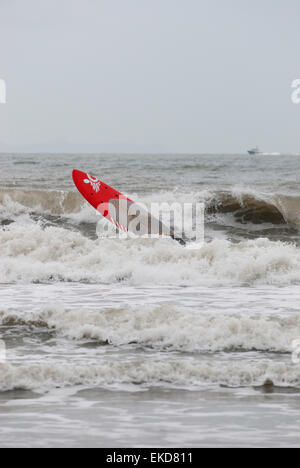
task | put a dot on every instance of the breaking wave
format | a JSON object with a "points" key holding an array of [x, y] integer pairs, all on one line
{"points": [[32, 253], [256, 208], [165, 328], [51, 236], [43, 201], [247, 206], [150, 372]]}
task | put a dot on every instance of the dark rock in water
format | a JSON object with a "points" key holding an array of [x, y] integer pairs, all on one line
{"points": [[268, 383], [6, 222], [268, 386]]}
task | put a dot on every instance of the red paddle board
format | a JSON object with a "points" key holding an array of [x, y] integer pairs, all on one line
{"points": [[124, 213]]}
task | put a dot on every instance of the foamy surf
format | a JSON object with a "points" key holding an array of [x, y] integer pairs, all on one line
{"points": [[165, 327], [31, 253], [148, 372], [112, 332]]}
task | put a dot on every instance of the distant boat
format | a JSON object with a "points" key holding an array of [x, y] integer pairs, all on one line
{"points": [[255, 150]]}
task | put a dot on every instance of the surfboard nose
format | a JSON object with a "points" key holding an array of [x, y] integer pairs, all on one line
{"points": [[76, 172], [78, 175]]}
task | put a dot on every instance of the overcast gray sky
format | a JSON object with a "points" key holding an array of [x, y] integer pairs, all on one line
{"points": [[150, 75]]}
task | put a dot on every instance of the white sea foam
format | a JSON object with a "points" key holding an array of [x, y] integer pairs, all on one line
{"points": [[166, 327], [147, 372], [30, 253]]}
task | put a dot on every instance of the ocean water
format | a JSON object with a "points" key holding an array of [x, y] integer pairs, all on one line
{"points": [[136, 342]]}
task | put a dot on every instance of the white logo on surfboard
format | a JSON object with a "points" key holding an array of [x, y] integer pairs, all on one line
{"points": [[95, 183]]}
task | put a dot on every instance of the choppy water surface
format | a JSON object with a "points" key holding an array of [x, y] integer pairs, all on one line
{"points": [[115, 342]]}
